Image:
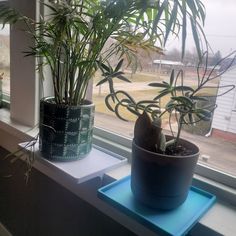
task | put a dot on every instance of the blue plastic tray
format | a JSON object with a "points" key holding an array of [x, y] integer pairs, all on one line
{"points": [[175, 222]]}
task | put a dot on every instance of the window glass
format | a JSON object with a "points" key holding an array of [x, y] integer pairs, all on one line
{"points": [[217, 138], [5, 59]]}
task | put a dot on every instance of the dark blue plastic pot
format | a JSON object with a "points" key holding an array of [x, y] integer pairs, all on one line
{"points": [[162, 181]]}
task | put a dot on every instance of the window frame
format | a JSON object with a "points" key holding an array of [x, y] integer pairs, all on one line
{"points": [[5, 96], [31, 93], [122, 146], [24, 84]]}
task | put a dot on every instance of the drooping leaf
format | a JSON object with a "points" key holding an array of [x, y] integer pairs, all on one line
{"points": [[195, 36], [118, 113], [107, 102], [162, 8], [171, 23], [162, 95], [184, 29]]}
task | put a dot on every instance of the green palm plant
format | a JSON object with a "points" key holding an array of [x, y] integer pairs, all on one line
{"points": [[70, 40]]}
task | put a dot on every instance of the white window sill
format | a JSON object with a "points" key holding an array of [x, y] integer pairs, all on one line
{"points": [[14, 128], [95, 164], [221, 217]]}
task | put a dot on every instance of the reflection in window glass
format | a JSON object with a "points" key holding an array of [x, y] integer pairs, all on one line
{"points": [[5, 59], [216, 139]]}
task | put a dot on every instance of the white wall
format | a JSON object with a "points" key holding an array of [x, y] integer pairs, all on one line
{"points": [[225, 114]]}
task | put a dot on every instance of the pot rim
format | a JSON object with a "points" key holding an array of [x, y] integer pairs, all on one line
{"points": [[170, 156], [87, 103]]}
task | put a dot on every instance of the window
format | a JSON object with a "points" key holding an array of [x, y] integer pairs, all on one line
{"points": [[25, 88], [5, 61], [217, 152]]}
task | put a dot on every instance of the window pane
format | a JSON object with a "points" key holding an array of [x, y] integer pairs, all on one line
{"points": [[217, 138], [5, 58]]}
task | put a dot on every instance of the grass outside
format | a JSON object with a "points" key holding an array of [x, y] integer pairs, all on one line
{"points": [[144, 93]]}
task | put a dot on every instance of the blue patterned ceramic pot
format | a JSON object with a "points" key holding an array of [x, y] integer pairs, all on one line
{"points": [[65, 132]]}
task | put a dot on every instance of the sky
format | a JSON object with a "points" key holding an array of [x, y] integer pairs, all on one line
{"points": [[220, 26]]}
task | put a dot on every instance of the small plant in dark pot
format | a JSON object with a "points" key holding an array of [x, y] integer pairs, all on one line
{"points": [[162, 166], [69, 40]]}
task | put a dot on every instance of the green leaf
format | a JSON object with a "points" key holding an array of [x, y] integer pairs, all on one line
{"points": [[50, 6], [183, 100], [105, 67], [199, 98], [118, 114], [125, 94], [125, 102], [161, 95], [195, 37], [201, 10], [102, 81], [202, 117], [184, 88], [107, 98], [157, 18], [170, 106], [160, 85], [119, 65], [206, 113], [133, 111], [172, 21], [121, 77], [116, 74], [184, 29], [172, 77], [148, 101], [191, 118]]}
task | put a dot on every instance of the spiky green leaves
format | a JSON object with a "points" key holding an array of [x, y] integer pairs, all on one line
{"points": [[183, 102], [8, 15], [70, 40], [171, 87], [109, 74], [117, 101]]}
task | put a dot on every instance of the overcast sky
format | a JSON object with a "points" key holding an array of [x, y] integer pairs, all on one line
{"points": [[220, 26]]}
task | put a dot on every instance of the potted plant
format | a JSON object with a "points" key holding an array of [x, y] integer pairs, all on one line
{"points": [[162, 166], [70, 42]]}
